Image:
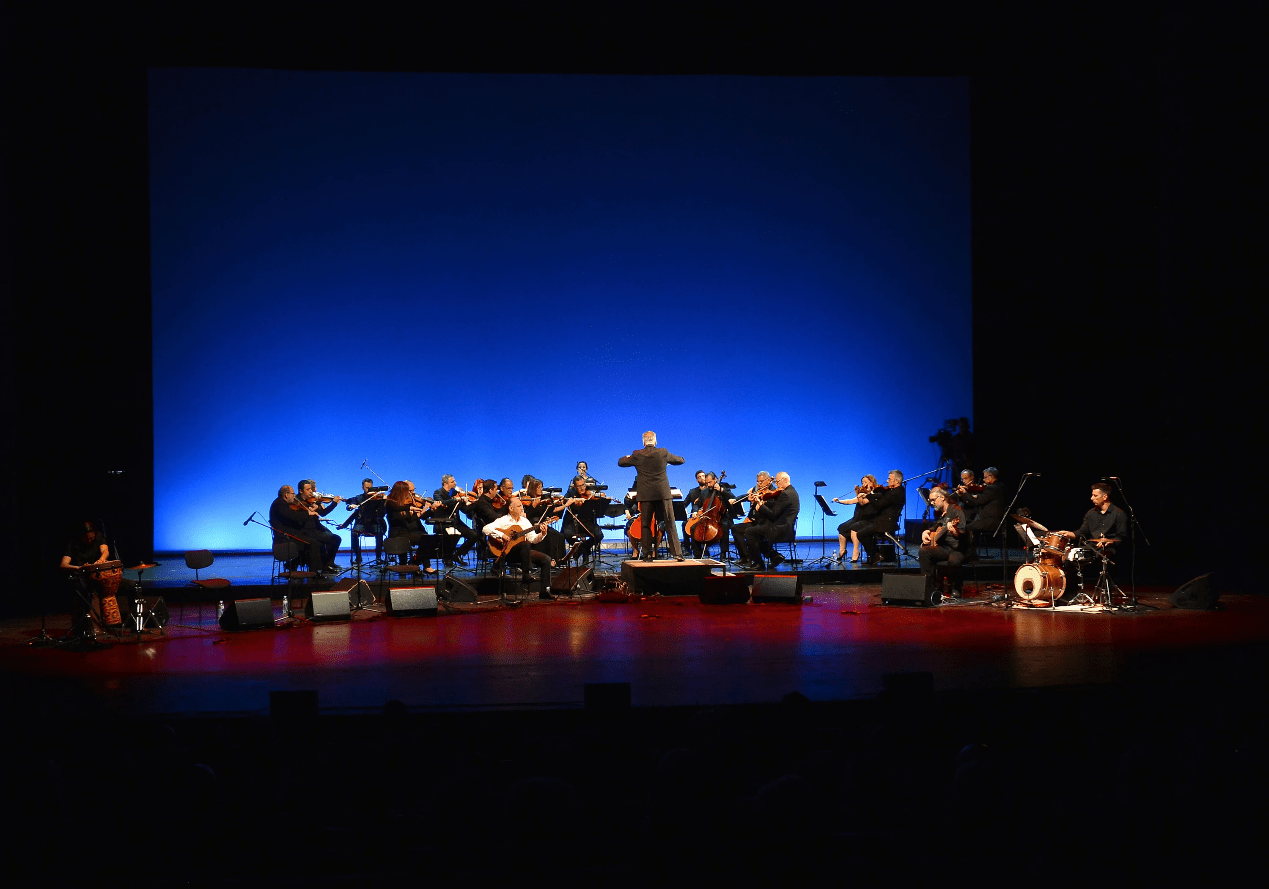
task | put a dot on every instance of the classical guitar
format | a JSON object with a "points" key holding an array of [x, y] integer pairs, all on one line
{"points": [[501, 547]]}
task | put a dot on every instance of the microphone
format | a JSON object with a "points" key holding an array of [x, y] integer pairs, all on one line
{"points": [[1112, 478], [249, 518], [1036, 474], [364, 462]]}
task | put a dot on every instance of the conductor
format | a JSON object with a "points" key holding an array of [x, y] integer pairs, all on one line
{"points": [[652, 490]]}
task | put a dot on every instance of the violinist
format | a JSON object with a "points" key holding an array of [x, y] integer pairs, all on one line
{"points": [[488, 506], [984, 504], [539, 508], [405, 518], [300, 516], [369, 508], [448, 507], [866, 511], [583, 474], [581, 516], [948, 539], [774, 521], [890, 502], [706, 496]]}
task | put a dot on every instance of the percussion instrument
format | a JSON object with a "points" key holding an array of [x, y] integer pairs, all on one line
{"points": [[1039, 582], [1053, 547], [1029, 522], [105, 583], [1082, 554]]}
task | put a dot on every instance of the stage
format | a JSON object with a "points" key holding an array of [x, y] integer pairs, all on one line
{"points": [[672, 650]]}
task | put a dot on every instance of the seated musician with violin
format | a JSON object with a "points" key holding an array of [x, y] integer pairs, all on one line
{"points": [[890, 502], [774, 520], [448, 505], [946, 541], [491, 504], [581, 516], [984, 504], [300, 515], [583, 474], [709, 519], [542, 509], [866, 511], [405, 518], [512, 537], [368, 510]]}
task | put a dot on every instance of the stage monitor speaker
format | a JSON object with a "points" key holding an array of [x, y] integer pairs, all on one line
{"points": [[1197, 594], [730, 589], [571, 580], [330, 605], [909, 589], [247, 614], [454, 590], [412, 601], [777, 588]]}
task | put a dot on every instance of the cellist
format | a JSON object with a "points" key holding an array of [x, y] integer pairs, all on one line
{"points": [[708, 501]]}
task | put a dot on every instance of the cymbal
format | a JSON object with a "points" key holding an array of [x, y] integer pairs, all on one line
{"points": [[145, 565], [1029, 522]]}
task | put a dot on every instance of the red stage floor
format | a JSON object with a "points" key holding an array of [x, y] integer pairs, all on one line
{"points": [[672, 651]]}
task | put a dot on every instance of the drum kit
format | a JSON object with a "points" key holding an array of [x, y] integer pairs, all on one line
{"points": [[1042, 583]]}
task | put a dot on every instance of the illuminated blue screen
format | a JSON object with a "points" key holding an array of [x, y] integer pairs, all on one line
{"points": [[492, 275]]}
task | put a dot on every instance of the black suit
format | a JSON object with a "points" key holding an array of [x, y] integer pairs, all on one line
{"points": [[773, 522], [652, 490], [447, 511]]}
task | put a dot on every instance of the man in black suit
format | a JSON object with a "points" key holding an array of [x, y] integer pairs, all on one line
{"points": [[652, 490], [774, 521]]}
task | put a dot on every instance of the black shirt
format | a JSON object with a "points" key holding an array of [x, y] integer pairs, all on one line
{"points": [[1113, 525]]}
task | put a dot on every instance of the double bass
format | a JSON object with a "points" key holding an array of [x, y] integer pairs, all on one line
{"points": [[706, 525]]}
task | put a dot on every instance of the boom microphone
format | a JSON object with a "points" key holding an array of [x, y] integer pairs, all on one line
{"points": [[249, 518]]}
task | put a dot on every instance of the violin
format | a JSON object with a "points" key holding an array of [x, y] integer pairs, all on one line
{"points": [[316, 500]]}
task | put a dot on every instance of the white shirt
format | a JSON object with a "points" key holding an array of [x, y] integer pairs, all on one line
{"points": [[505, 523]]}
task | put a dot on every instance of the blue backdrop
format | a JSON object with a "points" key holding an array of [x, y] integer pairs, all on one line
{"points": [[490, 275]]}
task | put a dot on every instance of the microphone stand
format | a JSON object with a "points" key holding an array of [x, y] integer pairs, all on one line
{"points": [[1132, 539], [1004, 548]]}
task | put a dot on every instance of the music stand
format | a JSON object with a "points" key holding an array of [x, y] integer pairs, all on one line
{"points": [[825, 510]]}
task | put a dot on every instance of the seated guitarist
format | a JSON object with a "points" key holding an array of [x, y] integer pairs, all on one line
{"points": [[946, 540], [512, 537]]}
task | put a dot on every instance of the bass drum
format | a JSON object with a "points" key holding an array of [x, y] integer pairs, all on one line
{"points": [[1039, 582]]}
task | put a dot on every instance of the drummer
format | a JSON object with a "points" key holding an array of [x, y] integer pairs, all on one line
{"points": [[87, 547], [1105, 525]]}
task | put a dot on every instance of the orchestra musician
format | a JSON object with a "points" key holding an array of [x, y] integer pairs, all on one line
{"points": [[300, 515], [448, 508], [890, 502], [537, 509], [946, 541], [984, 504], [866, 512], [774, 521], [504, 526], [583, 474], [583, 524], [369, 509], [405, 519], [708, 493], [652, 489], [490, 506]]}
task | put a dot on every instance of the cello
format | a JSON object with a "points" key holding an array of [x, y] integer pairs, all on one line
{"points": [[706, 525]]}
